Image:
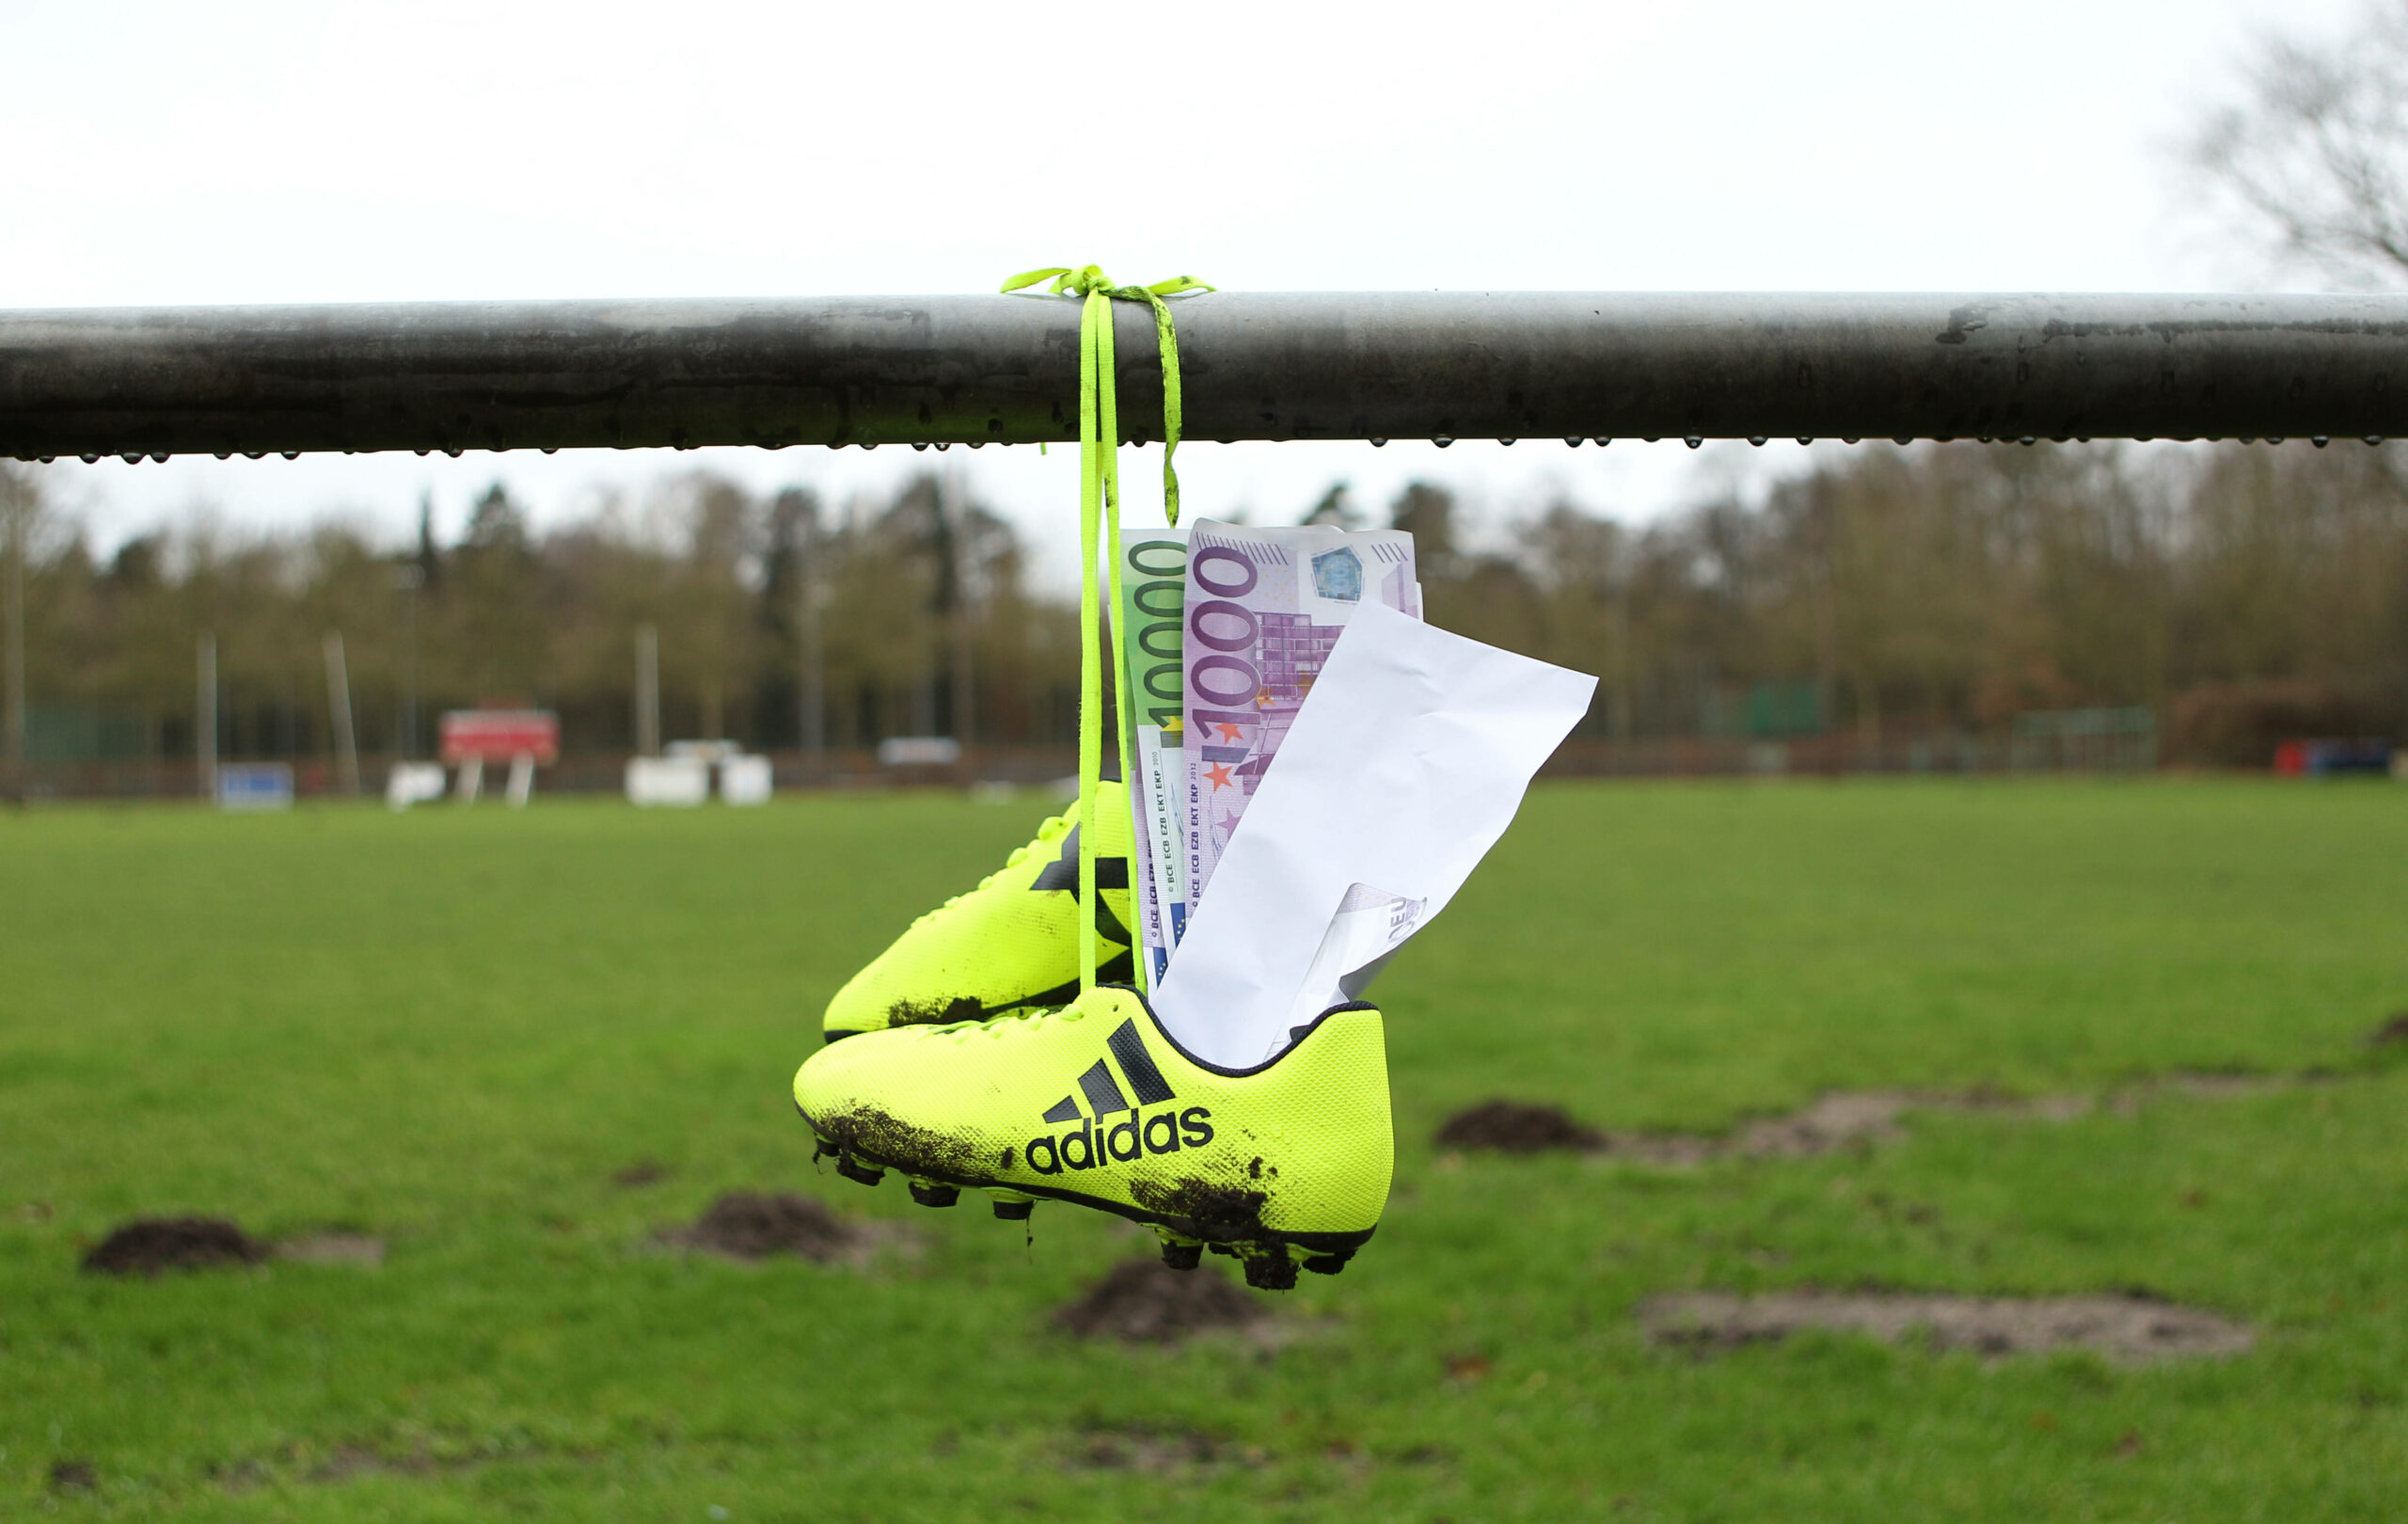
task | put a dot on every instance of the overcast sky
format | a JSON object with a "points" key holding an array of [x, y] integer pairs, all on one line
{"points": [[325, 152]]}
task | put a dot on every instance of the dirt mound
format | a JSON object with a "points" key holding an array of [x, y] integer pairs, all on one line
{"points": [[148, 1246], [1511, 1127], [2392, 1033], [1144, 1301], [2121, 1327], [746, 1226]]}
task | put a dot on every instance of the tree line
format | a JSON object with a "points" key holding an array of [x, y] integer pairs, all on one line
{"points": [[777, 623], [2240, 594]]}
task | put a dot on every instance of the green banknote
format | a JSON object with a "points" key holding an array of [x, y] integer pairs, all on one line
{"points": [[1152, 613]]}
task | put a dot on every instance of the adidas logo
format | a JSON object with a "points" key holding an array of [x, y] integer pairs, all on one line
{"points": [[1061, 876], [1096, 1142]]}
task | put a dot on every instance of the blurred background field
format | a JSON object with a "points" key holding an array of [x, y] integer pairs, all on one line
{"points": [[1948, 607], [514, 1047]]}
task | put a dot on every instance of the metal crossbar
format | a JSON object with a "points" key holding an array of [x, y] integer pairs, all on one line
{"points": [[1004, 370]]}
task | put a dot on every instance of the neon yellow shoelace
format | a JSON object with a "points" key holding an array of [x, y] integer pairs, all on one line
{"points": [[1099, 508]]}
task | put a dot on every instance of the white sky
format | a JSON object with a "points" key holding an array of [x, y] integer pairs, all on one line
{"points": [[324, 152]]}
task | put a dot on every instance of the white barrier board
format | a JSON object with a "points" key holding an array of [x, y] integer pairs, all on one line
{"points": [[745, 780], [671, 781], [414, 783]]}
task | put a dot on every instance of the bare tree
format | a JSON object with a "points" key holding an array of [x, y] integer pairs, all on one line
{"points": [[2312, 158]]}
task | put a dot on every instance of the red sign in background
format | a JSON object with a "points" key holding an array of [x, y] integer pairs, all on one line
{"points": [[500, 735]]}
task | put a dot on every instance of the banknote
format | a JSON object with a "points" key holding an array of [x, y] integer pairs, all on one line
{"points": [[1263, 609], [1153, 594]]}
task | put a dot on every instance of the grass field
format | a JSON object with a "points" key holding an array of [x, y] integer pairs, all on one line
{"points": [[451, 1029]]}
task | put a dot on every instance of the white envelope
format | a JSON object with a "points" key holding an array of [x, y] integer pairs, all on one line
{"points": [[1405, 763]]}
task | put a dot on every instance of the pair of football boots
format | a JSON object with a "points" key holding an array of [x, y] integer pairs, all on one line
{"points": [[965, 1057]]}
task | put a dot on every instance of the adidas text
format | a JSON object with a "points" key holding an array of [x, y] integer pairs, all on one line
{"points": [[1089, 1145]]}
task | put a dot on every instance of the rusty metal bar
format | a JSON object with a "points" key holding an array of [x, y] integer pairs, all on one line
{"points": [[1002, 370]]}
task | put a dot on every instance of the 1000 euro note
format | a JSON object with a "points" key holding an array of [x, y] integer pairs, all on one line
{"points": [[1153, 594], [1263, 609]]}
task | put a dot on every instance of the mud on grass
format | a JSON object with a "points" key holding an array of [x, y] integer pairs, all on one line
{"points": [[333, 1246], [1516, 1127], [1143, 1301], [150, 1246], [422, 1456], [1842, 1121], [1845, 1119], [2128, 1328], [153, 1245], [748, 1224], [1188, 1452], [1158, 1452]]}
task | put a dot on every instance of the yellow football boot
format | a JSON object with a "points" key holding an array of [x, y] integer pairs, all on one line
{"points": [[1009, 945], [1283, 1164]]}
